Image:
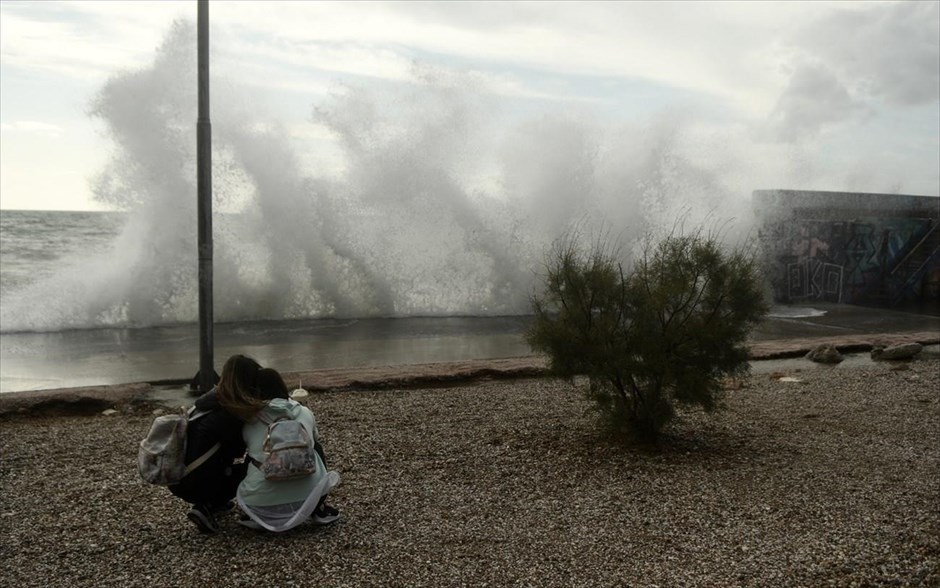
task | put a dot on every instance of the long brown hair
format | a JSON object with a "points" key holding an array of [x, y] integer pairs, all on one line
{"points": [[271, 385], [238, 387]]}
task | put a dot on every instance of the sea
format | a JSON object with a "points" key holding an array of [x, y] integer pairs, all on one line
{"points": [[71, 298], [42, 251], [33, 244]]}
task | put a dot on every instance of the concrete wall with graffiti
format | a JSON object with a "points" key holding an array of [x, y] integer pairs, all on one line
{"points": [[868, 249]]}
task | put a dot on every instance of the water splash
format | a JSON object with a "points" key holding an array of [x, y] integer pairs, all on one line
{"points": [[445, 203]]}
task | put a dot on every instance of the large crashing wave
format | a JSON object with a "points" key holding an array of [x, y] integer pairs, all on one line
{"points": [[445, 205]]}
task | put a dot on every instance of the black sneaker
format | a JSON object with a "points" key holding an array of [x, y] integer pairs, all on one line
{"points": [[203, 518], [324, 515], [220, 509]]}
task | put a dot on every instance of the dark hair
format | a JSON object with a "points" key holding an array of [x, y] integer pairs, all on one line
{"points": [[238, 385], [271, 385]]}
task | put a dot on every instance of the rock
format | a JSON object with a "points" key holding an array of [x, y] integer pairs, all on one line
{"points": [[826, 353], [157, 412], [109, 412], [790, 379], [895, 352]]}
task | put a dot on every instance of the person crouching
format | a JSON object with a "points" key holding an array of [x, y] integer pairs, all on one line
{"points": [[271, 499]]}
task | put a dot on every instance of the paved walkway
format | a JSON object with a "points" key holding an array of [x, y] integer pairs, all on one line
{"points": [[144, 396]]}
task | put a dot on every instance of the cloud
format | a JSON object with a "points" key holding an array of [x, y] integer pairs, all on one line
{"points": [[32, 126], [858, 61], [666, 44], [721, 50], [888, 52], [799, 70], [79, 40], [813, 100]]}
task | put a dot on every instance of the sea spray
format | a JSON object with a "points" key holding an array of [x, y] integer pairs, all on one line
{"points": [[445, 199]]}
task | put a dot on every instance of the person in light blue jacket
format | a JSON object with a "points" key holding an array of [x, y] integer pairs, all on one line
{"points": [[279, 505]]}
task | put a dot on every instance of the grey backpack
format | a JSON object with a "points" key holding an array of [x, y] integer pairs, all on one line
{"points": [[288, 450], [161, 458]]}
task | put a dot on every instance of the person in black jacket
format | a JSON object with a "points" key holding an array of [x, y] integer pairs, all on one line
{"points": [[211, 486]]}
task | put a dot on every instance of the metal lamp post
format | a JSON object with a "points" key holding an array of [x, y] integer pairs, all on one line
{"points": [[207, 376]]}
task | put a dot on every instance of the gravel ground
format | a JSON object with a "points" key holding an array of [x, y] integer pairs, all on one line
{"points": [[828, 481]]}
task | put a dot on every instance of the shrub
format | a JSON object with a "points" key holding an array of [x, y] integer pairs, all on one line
{"points": [[667, 332]]}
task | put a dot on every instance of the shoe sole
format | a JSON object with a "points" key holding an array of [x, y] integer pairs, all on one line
{"points": [[324, 520], [202, 522]]}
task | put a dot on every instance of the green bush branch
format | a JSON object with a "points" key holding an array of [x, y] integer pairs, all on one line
{"points": [[669, 330]]}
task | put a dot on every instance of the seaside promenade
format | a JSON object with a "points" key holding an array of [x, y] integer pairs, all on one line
{"points": [[88, 371], [142, 396]]}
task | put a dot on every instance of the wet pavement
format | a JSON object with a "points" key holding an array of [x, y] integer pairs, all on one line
{"points": [[832, 320], [41, 361]]}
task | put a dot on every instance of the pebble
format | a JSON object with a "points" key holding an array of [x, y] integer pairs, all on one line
{"points": [[512, 483]]}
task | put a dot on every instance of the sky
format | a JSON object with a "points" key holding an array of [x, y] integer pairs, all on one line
{"points": [[852, 87]]}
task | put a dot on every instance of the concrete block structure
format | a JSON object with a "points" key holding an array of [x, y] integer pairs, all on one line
{"points": [[879, 250]]}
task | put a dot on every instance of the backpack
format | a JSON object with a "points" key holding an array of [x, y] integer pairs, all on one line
{"points": [[288, 448], [161, 458]]}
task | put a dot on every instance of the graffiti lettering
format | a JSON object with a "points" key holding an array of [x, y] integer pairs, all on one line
{"points": [[843, 261]]}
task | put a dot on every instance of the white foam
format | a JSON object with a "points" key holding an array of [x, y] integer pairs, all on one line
{"points": [[445, 202], [794, 312]]}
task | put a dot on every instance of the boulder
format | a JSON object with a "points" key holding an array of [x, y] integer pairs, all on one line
{"points": [[825, 353], [896, 352]]}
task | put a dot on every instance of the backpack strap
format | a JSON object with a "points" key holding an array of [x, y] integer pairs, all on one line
{"points": [[269, 421], [191, 415], [202, 458]]}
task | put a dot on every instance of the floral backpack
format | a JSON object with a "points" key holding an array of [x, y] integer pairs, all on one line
{"points": [[288, 450]]}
